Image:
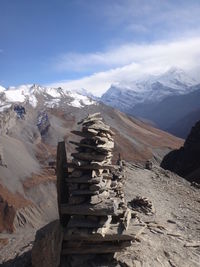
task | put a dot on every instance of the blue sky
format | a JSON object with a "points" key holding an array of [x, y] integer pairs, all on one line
{"points": [[93, 43]]}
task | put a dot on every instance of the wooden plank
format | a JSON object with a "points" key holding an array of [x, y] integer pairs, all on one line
{"points": [[81, 134], [91, 116], [99, 149], [87, 222], [62, 188], [84, 180], [100, 209], [115, 232], [92, 166], [82, 223], [90, 248], [89, 156], [80, 192], [98, 128]]}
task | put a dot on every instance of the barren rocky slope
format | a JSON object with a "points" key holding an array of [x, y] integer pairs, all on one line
{"points": [[171, 234], [28, 140]]}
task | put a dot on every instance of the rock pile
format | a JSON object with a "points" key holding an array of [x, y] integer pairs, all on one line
{"points": [[99, 216], [142, 204]]}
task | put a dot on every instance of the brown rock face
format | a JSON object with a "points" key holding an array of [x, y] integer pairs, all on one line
{"points": [[47, 246], [7, 215], [186, 161]]}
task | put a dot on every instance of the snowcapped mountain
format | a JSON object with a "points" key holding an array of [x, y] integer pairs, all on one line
{"points": [[38, 95], [151, 89], [2, 89], [177, 79]]}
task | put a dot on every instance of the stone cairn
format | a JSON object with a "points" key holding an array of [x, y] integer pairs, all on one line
{"points": [[98, 214]]}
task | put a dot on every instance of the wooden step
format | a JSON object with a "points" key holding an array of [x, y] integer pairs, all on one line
{"points": [[90, 248], [84, 180], [101, 209], [83, 192], [92, 166], [115, 232], [89, 223]]}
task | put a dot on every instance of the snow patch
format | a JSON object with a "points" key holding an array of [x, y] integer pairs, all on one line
{"points": [[54, 92], [7, 106], [33, 101], [80, 100], [15, 95], [52, 103], [2, 89]]}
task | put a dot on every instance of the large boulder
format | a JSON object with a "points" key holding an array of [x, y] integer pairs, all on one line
{"points": [[47, 246], [186, 161]]}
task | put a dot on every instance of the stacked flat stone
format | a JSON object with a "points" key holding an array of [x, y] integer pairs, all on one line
{"points": [[96, 199]]}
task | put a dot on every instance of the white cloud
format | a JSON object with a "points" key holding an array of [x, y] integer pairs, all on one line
{"points": [[164, 18], [129, 62]]}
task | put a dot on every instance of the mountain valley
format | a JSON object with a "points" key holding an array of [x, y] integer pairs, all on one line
{"points": [[31, 125]]}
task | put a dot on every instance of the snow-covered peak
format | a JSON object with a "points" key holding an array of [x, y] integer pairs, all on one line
{"points": [[2, 89], [80, 100], [49, 97], [176, 78], [152, 88], [84, 92]]}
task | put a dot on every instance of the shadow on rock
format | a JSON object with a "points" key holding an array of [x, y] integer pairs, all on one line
{"points": [[23, 260]]}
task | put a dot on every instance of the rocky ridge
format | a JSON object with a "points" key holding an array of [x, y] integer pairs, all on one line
{"points": [[169, 236], [186, 161], [151, 89]]}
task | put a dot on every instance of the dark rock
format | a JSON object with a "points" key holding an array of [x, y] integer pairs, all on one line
{"points": [[7, 216], [148, 165], [186, 161], [20, 111], [142, 204], [23, 260], [43, 123], [47, 246]]}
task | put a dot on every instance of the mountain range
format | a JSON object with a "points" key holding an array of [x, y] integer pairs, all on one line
{"points": [[164, 100], [32, 120]]}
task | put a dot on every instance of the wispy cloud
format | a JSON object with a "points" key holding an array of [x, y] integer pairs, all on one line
{"points": [[156, 35], [130, 62], [182, 52], [166, 18]]}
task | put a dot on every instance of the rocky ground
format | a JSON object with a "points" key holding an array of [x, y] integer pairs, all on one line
{"points": [[172, 234], [170, 218]]}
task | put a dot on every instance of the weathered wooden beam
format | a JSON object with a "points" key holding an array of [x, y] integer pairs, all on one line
{"points": [[84, 180], [89, 248], [62, 188], [114, 233], [92, 166], [99, 149], [82, 223], [81, 192], [100, 209]]}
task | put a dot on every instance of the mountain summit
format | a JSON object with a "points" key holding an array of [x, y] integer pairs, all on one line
{"points": [[126, 95], [37, 95]]}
